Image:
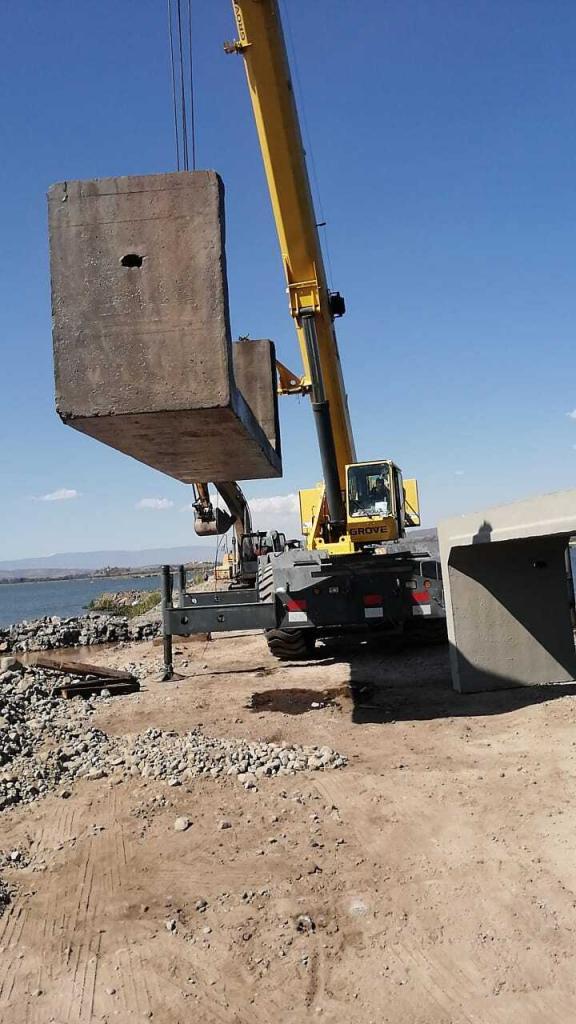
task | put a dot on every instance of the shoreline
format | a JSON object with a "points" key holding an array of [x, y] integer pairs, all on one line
{"points": [[83, 576]]}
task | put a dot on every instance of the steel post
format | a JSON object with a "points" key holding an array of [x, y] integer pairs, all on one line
{"points": [[167, 606]]}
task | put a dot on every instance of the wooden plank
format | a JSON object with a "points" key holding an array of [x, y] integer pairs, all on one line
{"points": [[84, 687], [64, 663]]}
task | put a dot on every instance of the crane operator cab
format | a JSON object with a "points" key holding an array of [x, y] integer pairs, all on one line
{"points": [[377, 502]]}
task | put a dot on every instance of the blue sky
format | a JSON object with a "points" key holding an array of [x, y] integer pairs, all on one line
{"points": [[443, 138]]}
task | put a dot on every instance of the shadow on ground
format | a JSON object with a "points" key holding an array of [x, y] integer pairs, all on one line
{"points": [[416, 685], [297, 701], [388, 684]]}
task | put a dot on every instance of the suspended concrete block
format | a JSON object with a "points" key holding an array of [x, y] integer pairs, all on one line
{"points": [[143, 356], [509, 594]]}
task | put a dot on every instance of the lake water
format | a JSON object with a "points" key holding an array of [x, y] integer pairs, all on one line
{"points": [[19, 601]]}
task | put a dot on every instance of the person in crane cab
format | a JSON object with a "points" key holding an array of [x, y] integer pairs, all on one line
{"points": [[379, 496], [368, 490]]}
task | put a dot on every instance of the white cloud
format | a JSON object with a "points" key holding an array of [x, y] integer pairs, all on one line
{"points": [[156, 504], [278, 512], [64, 494], [458, 472], [572, 415], [277, 505]]}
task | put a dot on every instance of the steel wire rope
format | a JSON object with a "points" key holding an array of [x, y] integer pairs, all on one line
{"points": [[182, 88], [173, 75], [192, 97]]}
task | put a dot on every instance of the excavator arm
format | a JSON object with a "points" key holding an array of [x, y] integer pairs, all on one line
{"points": [[210, 521]]}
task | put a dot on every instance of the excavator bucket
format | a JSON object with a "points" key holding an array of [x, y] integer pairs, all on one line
{"points": [[212, 526]]}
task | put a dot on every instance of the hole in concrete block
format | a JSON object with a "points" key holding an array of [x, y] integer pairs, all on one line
{"points": [[132, 259]]}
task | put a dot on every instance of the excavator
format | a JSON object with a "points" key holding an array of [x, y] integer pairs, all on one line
{"points": [[344, 577], [247, 544]]}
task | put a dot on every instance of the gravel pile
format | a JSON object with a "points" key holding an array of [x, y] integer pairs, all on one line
{"points": [[167, 755], [46, 741], [43, 739], [50, 633]]}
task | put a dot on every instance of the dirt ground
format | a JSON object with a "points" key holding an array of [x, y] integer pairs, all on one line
{"points": [[431, 881]]}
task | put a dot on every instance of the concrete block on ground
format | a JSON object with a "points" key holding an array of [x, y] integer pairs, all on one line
{"points": [[143, 356], [508, 596]]}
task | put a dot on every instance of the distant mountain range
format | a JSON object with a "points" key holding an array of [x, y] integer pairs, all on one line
{"points": [[72, 562]]}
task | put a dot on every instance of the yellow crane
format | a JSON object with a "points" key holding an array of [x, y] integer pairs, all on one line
{"points": [[359, 503], [337, 582]]}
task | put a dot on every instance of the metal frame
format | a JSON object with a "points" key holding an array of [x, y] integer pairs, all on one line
{"points": [[208, 612]]}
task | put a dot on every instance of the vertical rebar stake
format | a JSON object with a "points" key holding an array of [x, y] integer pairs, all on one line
{"points": [[166, 605], [181, 586]]}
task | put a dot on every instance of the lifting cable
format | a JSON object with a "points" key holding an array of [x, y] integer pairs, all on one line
{"points": [[182, 81]]}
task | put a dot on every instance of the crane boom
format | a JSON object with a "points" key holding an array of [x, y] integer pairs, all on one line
{"points": [[261, 43]]}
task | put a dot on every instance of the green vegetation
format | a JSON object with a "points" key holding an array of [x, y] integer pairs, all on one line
{"points": [[130, 603]]}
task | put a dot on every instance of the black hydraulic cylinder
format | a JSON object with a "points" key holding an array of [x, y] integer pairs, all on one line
{"points": [[321, 409], [321, 412]]}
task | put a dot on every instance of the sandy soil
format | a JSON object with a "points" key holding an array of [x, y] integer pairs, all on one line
{"points": [[437, 870]]}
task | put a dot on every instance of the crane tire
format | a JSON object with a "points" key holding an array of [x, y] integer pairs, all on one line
{"points": [[290, 644]]}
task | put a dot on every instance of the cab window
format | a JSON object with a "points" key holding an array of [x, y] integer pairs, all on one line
{"points": [[369, 492]]}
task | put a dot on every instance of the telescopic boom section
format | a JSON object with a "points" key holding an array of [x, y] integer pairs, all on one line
{"points": [[261, 42]]}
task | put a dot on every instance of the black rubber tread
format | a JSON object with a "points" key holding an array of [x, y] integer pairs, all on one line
{"points": [[265, 583], [290, 644]]}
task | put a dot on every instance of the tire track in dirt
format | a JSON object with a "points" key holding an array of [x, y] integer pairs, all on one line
{"points": [[11, 942]]}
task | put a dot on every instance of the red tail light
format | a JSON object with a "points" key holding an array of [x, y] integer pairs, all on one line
{"points": [[294, 605], [420, 597], [372, 600]]}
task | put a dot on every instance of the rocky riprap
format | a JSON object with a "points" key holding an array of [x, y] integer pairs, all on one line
{"points": [[50, 633], [46, 741]]}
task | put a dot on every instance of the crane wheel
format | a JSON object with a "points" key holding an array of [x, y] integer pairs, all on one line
{"points": [[290, 644]]}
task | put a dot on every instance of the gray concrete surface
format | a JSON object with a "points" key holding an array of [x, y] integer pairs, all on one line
{"points": [[254, 365], [507, 593], [142, 352]]}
